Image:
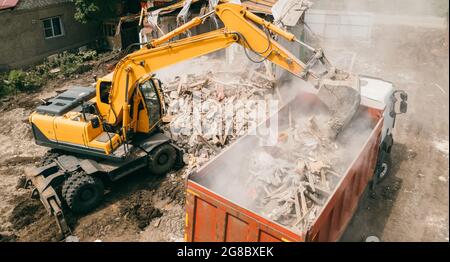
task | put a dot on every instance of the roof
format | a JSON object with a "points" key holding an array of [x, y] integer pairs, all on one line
{"points": [[6, 4], [32, 4]]}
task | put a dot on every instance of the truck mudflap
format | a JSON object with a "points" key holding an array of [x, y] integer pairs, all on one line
{"points": [[41, 180]]}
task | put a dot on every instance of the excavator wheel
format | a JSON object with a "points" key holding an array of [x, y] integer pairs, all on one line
{"points": [[179, 163], [162, 159], [82, 192], [49, 157]]}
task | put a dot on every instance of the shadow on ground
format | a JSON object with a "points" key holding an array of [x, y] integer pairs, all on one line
{"points": [[123, 190], [132, 193], [375, 206]]}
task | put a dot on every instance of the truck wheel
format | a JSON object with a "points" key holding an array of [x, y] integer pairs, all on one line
{"points": [[384, 166], [162, 159], [82, 192]]}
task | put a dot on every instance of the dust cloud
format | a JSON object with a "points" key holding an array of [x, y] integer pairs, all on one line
{"points": [[398, 7], [233, 174]]}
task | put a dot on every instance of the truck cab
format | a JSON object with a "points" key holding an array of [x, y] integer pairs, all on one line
{"points": [[380, 94]]}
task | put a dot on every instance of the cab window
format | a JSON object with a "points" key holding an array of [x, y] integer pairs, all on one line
{"points": [[151, 101], [105, 88]]}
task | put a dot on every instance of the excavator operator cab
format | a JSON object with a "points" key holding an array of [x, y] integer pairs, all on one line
{"points": [[149, 102], [151, 93]]}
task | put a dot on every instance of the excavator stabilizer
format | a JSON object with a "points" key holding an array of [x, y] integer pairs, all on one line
{"points": [[43, 180]]}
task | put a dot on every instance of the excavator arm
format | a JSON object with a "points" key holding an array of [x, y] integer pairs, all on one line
{"points": [[160, 53], [240, 26]]}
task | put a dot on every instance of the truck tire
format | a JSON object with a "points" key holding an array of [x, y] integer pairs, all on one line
{"points": [[82, 192], [162, 159], [384, 166]]}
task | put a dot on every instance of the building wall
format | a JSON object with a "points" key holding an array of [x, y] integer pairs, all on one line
{"points": [[22, 35]]}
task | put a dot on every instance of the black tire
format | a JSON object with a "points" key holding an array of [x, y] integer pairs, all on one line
{"points": [[49, 157], [82, 192], [384, 166], [162, 159], [179, 164]]}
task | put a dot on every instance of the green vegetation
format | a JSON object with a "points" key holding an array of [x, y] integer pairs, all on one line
{"points": [[65, 65], [94, 10]]}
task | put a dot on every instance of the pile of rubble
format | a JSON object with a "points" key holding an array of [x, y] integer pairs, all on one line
{"points": [[291, 181], [198, 115]]}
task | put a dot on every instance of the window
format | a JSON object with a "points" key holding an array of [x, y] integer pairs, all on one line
{"points": [[105, 88], [53, 27], [152, 101]]}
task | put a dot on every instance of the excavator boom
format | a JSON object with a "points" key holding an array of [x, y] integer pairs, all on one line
{"points": [[241, 27], [238, 28]]}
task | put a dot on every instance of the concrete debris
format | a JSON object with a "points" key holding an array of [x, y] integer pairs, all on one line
{"points": [[55, 70], [72, 239], [294, 179], [203, 108], [372, 239], [442, 179]]}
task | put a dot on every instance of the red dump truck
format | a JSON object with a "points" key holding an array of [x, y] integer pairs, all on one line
{"points": [[211, 216]]}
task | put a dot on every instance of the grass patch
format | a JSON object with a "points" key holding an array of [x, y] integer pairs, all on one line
{"points": [[64, 65]]}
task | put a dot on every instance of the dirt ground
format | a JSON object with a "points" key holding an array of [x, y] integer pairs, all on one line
{"points": [[407, 44], [141, 208], [410, 205]]}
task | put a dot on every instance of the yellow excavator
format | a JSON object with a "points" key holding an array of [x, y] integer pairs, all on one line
{"points": [[112, 130]]}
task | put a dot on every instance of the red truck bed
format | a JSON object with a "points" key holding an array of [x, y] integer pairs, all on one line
{"points": [[210, 217]]}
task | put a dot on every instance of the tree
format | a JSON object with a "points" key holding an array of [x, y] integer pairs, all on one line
{"points": [[95, 10]]}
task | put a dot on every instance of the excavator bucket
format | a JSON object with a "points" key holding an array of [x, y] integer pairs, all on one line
{"points": [[341, 95]]}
